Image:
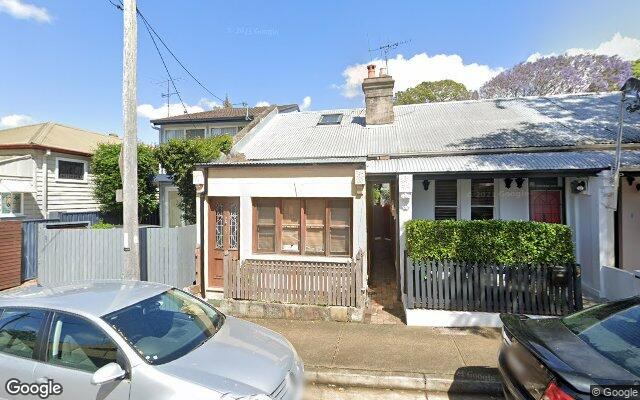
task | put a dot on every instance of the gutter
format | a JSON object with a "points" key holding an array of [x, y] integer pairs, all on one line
{"points": [[45, 148]]}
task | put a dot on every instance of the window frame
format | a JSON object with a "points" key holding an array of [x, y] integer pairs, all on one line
{"points": [[322, 121], [302, 235], [492, 206], [204, 133], [47, 333], [163, 136], [12, 214], [40, 336], [85, 164], [435, 204], [540, 187]]}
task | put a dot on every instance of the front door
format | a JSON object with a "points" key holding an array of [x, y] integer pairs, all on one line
{"points": [[546, 206], [224, 235]]}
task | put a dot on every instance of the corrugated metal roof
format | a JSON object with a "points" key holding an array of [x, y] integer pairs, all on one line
{"points": [[544, 161], [290, 161], [554, 121]]}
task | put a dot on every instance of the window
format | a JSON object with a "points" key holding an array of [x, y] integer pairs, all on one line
{"points": [[265, 210], [172, 134], [330, 119], [165, 327], [446, 199], [482, 199], [71, 170], [195, 133], [546, 200], [19, 331], [10, 204], [303, 226], [232, 130], [76, 343]]}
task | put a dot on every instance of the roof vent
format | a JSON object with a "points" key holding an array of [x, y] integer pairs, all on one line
{"points": [[330, 119]]}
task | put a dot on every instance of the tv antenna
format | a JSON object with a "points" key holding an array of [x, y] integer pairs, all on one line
{"points": [[167, 95], [386, 48]]}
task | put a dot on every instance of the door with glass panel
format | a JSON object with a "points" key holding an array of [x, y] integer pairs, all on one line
{"points": [[224, 236]]}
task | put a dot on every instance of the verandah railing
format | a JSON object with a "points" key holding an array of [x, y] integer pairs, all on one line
{"points": [[297, 282], [524, 289]]}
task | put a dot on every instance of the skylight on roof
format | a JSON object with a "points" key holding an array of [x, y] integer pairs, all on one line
{"points": [[330, 119]]}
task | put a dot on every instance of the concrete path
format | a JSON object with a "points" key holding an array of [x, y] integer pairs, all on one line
{"points": [[394, 357], [396, 348]]}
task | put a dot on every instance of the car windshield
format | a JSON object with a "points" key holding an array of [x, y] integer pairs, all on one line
{"points": [[612, 330], [167, 326]]}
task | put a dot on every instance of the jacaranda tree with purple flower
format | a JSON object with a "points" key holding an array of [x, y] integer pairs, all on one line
{"points": [[559, 74]]}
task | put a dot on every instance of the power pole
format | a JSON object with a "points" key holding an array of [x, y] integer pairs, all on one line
{"points": [[129, 170]]}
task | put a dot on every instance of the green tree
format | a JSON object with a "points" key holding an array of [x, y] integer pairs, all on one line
{"points": [[432, 92], [179, 156], [635, 68], [106, 171]]}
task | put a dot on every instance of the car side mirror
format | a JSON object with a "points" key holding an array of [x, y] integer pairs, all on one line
{"points": [[109, 373]]}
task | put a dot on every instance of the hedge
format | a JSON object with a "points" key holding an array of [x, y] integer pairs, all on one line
{"points": [[490, 241]]}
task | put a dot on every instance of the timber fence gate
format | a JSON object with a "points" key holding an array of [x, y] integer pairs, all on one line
{"points": [[167, 255], [297, 282], [523, 289]]}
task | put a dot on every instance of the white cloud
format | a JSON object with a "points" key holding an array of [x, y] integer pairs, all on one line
{"points": [[151, 112], [419, 68], [13, 120], [20, 10], [263, 104], [306, 103], [625, 47]]}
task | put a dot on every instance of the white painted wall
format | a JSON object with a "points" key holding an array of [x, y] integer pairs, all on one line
{"points": [[406, 186], [281, 181], [619, 284], [512, 203], [423, 200], [629, 226]]}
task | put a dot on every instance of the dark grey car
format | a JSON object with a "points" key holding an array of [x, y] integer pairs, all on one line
{"points": [[137, 340]]}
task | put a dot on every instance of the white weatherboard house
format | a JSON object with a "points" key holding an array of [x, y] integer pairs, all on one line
{"points": [[296, 192], [44, 170]]}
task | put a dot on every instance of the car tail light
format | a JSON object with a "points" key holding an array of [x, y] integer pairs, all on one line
{"points": [[553, 392]]}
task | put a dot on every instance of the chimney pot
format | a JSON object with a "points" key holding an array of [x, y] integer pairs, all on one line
{"points": [[383, 72], [371, 71]]}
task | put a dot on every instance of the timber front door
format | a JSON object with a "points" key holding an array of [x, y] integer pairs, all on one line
{"points": [[224, 236]]}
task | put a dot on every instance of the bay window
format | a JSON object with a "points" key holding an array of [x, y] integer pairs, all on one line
{"points": [[302, 226]]}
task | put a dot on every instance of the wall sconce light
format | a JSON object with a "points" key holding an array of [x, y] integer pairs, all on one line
{"points": [[578, 186], [519, 182], [425, 184], [630, 179], [507, 182]]}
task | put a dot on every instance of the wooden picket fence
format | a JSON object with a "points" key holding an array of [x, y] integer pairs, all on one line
{"points": [[297, 282], [523, 289]]}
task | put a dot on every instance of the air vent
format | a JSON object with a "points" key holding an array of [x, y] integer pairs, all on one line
{"points": [[330, 119]]}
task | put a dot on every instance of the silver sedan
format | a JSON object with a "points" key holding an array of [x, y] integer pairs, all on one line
{"points": [[139, 341]]}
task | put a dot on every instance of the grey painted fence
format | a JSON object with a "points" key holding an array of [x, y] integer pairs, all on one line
{"points": [[73, 255], [30, 246], [523, 289]]}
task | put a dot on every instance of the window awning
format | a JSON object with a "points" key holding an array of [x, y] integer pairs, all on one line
{"points": [[16, 186]]}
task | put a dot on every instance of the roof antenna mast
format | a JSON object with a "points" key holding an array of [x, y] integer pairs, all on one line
{"points": [[167, 95], [386, 48]]}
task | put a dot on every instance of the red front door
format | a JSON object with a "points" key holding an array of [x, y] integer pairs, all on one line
{"points": [[546, 206], [224, 236]]}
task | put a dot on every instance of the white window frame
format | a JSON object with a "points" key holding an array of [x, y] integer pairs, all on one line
{"points": [[85, 179], [493, 206], [10, 215], [163, 134], [209, 132]]}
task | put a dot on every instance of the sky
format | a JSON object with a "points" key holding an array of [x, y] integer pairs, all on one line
{"points": [[61, 60]]}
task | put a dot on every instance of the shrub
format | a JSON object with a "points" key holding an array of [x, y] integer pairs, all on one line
{"points": [[102, 225], [106, 171], [492, 241], [179, 156]]}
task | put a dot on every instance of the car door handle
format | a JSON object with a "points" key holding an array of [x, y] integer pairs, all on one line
{"points": [[43, 380]]}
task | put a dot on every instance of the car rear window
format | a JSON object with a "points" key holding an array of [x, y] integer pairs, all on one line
{"points": [[611, 329], [19, 331]]}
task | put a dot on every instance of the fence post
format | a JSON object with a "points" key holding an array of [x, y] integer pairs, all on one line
{"points": [[225, 274], [577, 285], [408, 273]]}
